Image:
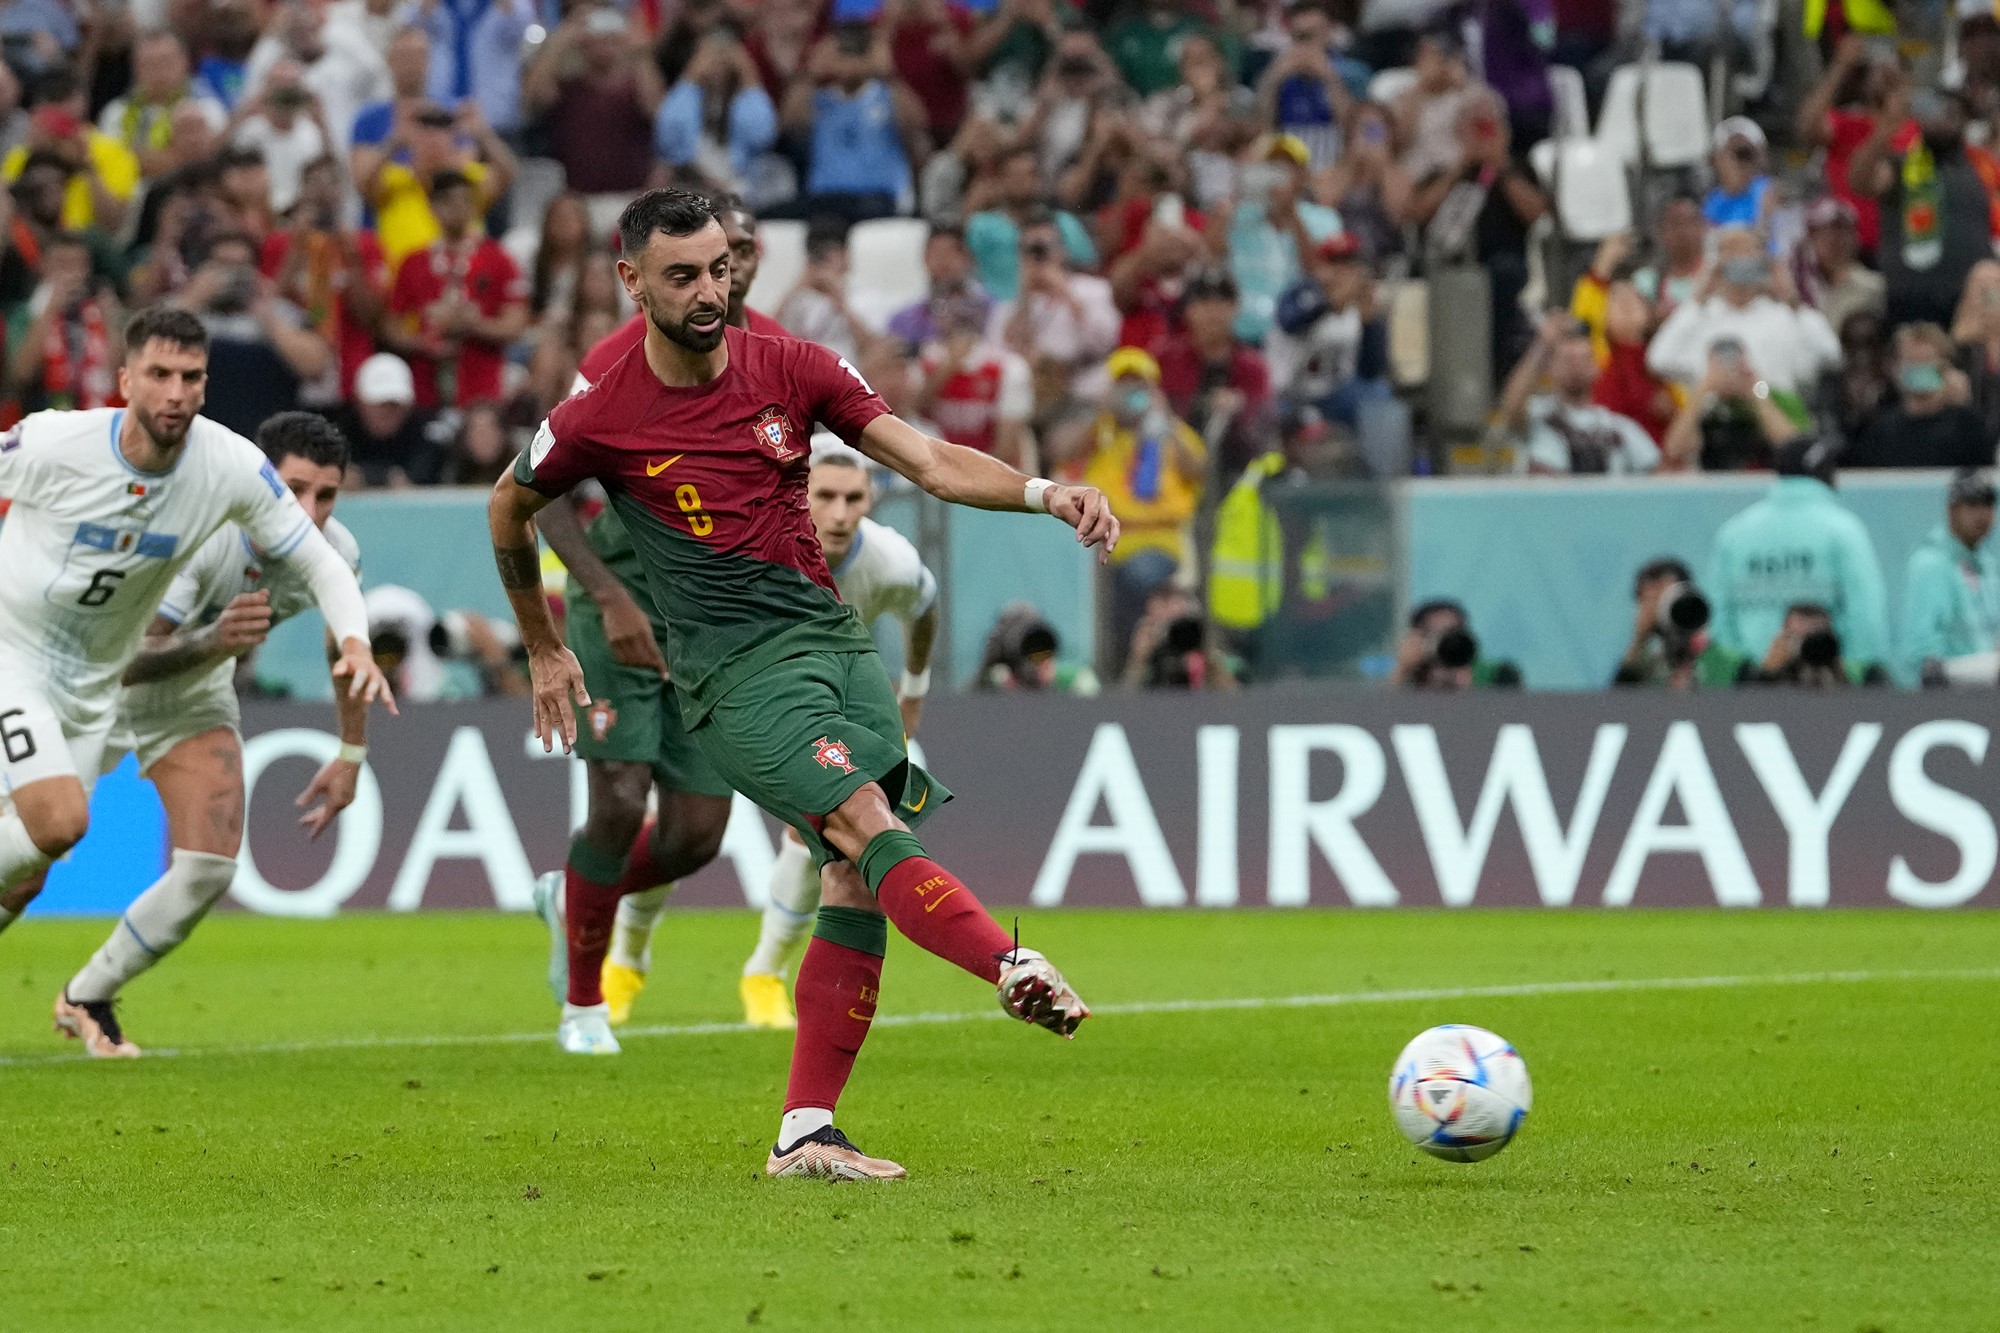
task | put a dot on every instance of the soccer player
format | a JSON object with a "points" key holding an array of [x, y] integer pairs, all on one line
{"points": [[699, 438], [878, 573], [181, 718], [106, 507]]}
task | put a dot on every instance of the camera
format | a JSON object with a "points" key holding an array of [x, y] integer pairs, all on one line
{"points": [[452, 637], [1454, 649], [1680, 616]]}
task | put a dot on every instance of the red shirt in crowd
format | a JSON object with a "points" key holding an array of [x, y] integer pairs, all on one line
{"points": [[994, 385], [326, 287], [1625, 386], [482, 272], [921, 50], [1845, 132]]}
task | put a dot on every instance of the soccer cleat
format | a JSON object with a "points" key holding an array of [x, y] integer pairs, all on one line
{"points": [[549, 907], [621, 986], [96, 1025], [1033, 991], [766, 1002], [825, 1154], [586, 1030]]}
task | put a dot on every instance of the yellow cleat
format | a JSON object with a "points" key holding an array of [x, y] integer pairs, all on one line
{"points": [[766, 1002], [621, 986]]}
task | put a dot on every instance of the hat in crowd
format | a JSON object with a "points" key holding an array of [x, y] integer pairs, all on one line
{"points": [[1213, 284], [1827, 211], [1291, 146], [384, 378], [1133, 361], [604, 23], [1339, 247], [1740, 127], [1970, 486]]}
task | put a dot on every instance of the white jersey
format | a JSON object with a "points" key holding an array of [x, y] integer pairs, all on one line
{"points": [[91, 544], [882, 575]]}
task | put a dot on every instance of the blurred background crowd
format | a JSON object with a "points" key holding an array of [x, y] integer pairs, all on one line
{"points": [[1194, 251]]}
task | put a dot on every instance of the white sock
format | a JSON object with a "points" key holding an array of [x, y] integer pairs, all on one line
{"points": [[7, 917], [797, 1124], [19, 857], [156, 922], [632, 936], [789, 913]]}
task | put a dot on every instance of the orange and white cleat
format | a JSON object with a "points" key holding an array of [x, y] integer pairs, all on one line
{"points": [[825, 1154], [1032, 990], [93, 1022]]}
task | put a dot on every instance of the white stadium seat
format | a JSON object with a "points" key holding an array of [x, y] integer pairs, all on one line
{"points": [[1572, 107], [1591, 195], [885, 267], [1676, 114], [783, 259]]}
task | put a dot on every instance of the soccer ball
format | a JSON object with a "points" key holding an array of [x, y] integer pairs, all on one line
{"points": [[1460, 1092]]}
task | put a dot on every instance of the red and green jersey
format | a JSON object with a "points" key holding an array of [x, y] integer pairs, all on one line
{"points": [[710, 482]]}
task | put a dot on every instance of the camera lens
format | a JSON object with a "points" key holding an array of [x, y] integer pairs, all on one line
{"points": [[1184, 635], [1456, 648], [1684, 610], [1821, 648]]}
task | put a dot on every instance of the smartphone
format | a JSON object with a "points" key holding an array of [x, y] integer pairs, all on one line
{"points": [[1728, 351], [1170, 211]]}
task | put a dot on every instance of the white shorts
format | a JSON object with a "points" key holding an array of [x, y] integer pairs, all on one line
{"points": [[35, 744], [154, 718]]}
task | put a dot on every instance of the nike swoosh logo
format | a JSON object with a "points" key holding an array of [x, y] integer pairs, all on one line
{"points": [[857, 1015], [917, 806], [655, 469], [931, 906]]}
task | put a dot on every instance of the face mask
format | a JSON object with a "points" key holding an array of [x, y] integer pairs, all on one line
{"points": [[1137, 401], [1746, 271], [1921, 378]]}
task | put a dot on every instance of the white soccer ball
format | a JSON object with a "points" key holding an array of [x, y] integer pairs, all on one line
{"points": [[1460, 1092]]}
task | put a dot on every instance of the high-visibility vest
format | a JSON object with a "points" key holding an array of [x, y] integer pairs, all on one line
{"points": [[1246, 565], [1864, 16]]}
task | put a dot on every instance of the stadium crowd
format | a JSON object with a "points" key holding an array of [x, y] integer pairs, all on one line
{"points": [[1174, 247]]}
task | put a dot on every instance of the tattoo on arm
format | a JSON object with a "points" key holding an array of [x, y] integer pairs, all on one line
{"points": [[520, 566], [183, 650]]}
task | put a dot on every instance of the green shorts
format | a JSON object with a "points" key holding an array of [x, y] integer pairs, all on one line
{"points": [[633, 715], [800, 737]]}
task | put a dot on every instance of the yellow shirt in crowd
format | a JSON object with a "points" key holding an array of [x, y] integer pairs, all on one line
{"points": [[404, 222], [117, 166], [1158, 524]]}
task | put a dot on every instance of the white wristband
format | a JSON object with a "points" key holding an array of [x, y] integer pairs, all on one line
{"points": [[352, 754], [1036, 494], [916, 684]]}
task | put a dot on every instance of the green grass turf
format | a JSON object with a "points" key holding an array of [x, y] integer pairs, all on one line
{"points": [[1814, 1156]]}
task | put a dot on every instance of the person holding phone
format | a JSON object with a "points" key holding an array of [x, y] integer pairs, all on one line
{"points": [[867, 130]]}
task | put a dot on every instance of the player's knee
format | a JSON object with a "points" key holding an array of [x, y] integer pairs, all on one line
{"points": [[855, 822], [689, 832], [841, 885], [58, 825]]}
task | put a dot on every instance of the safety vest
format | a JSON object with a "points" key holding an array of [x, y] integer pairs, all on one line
{"points": [[1864, 16], [1246, 574]]}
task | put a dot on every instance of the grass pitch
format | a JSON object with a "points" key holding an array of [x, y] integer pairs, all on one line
{"points": [[348, 1138]]}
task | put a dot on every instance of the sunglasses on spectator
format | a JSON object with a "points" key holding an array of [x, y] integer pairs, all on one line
{"points": [[1038, 250]]}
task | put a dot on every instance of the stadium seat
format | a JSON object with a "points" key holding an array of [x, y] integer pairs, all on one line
{"points": [[1588, 183], [1389, 84], [1572, 107], [783, 260], [1676, 116], [540, 179], [885, 267]]}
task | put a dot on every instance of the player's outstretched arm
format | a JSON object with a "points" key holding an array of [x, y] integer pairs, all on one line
{"points": [[332, 788], [627, 631], [170, 649], [338, 595], [964, 476], [558, 680]]}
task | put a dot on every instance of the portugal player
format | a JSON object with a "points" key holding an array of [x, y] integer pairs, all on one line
{"points": [[699, 436]]}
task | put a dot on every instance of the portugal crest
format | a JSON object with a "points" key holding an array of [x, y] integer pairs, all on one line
{"points": [[832, 754], [775, 432], [603, 717]]}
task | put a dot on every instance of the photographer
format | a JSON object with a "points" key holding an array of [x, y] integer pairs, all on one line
{"points": [[1170, 647], [1806, 652], [417, 648], [1670, 642], [1439, 652], [1951, 592]]}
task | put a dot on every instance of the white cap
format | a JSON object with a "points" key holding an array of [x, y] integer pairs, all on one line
{"points": [[825, 443], [384, 378], [1739, 127], [604, 23]]}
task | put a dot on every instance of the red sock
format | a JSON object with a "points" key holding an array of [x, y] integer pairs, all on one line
{"points": [[591, 909], [835, 995], [641, 871], [938, 913]]}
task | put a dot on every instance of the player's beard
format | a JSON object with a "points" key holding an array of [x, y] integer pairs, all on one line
{"points": [[682, 335], [164, 440]]}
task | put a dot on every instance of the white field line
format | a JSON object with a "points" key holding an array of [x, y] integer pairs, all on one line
{"points": [[1340, 999]]}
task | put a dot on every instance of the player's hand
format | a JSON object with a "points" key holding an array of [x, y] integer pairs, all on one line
{"points": [[630, 636], [244, 623], [558, 683], [364, 678], [330, 792], [1085, 509], [913, 714]]}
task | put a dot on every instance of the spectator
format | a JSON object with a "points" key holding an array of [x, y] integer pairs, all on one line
{"points": [[1671, 645], [1680, 248], [1209, 113], [1976, 330], [282, 122], [476, 48], [696, 21], [261, 351], [243, 189], [1439, 652], [719, 121], [948, 266], [1147, 280], [559, 257], [40, 34], [341, 69], [13, 116], [37, 207], [394, 443], [479, 451], [980, 394], [1367, 187], [104, 174], [374, 21], [1625, 385], [1334, 352], [229, 33], [867, 129], [1693, 31], [408, 57], [599, 292], [1013, 45], [994, 235], [1925, 427], [1798, 544], [1079, 103], [456, 305], [1750, 300], [960, 178], [1865, 379], [1022, 653], [1565, 431], [143, 120], [1170, 647], [782, 42], [1144, 45], [597, 85], [68, 356], [1742, 179], [400, 190], [1840, 115], [1936, 221], [337, 276], [1059, 318], [1828, 270], [1304, 91], [1808, 653], [1151, 466], [930, 48], [176, 217], [1272, 227], [1213, 380], [816, 310], [1426, 114], [1951, 590], [1514, 41], [1732, 419]]}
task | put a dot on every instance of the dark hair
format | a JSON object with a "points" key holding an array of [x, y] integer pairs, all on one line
{"points": [[1423, 611], [65, 238], [1039, 216], [58, 84], [675, 212], [42, 157], [725, 202], [160, 323], [946, 231], [238, 155], [306, 435], [322, 161], [824, 235], [449, 179], [205, 251], [1665, 566]]}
